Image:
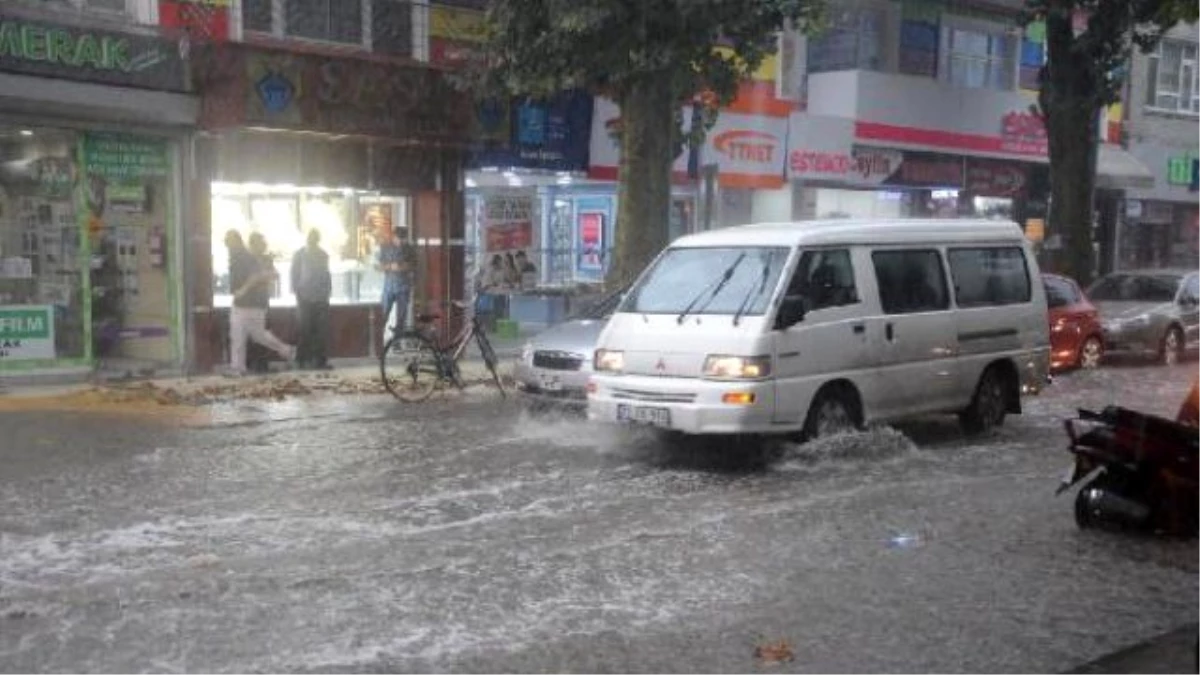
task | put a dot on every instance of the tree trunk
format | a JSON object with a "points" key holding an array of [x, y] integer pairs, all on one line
{"points": [[644, 192], [1073, 146]]}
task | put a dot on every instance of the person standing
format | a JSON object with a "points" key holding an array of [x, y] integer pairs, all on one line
{"points": [[396, 261], [313, 285], [250, 282]]}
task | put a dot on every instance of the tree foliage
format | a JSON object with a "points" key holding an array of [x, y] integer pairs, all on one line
{"points": [[1084, 72], [650, 56]]}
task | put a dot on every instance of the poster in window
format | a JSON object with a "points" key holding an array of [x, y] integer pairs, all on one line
{"points": [[508, 244], [591, 241]]}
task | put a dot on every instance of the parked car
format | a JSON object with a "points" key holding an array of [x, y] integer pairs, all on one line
{"points": [[817, 327], [555, 365], [1149, 313], [1076, 337]]}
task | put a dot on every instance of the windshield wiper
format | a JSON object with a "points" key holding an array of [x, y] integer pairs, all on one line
{"points": [[752, 294], [720, 283]]}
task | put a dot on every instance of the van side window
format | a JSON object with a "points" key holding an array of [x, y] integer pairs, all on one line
{"points": [[824, 278], [986, 277], [910, 281]]}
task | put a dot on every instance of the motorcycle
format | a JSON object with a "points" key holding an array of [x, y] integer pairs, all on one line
{"points": [[1138, 471]]}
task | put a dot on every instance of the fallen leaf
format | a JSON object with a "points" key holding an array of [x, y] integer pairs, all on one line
{"points": [[774, 653]]}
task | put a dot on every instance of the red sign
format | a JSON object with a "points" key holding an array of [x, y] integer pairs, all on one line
{"points": [[930, 172], [747, 146], [1023, 132], [591, 240], [995, 179], [202, 21]]}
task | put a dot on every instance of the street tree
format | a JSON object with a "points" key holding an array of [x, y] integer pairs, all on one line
{"points": [[652, 57], [1089, 44]]}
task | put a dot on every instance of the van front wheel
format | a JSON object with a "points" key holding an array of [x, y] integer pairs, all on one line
{"points": [[988, 407], [832, 412]]}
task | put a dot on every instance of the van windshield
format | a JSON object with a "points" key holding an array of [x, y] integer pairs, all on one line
{"points": [[683, 276]]}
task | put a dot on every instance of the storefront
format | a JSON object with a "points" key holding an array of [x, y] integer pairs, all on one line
{"points": [[92, 124], [347, 147], [1161, 224]]}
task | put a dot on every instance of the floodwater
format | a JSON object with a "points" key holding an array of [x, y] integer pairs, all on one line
{"points": [[358, 534]]}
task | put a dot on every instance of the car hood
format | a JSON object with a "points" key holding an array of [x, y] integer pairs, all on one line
{"points": [[1119, 310], [578, 336]]}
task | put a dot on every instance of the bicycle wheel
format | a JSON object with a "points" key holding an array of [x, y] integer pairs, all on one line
{"points": [[489, 359], [409, 367]]}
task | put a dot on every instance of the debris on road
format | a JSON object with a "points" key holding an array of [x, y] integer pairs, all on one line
{"points": [[774, 653]]}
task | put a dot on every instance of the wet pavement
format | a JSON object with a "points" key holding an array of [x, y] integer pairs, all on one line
{"points": [[352, 533]]}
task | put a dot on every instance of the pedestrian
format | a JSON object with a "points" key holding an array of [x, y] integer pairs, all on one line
{"points": [[250, 280], [397, 262], [312, 284]]}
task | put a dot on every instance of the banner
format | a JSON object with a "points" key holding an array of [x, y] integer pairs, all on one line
{"points": [[508, 244], [550, 135], [26, 332]]}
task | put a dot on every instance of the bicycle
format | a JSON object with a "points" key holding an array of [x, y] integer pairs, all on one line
{"points": [[415, 362]]}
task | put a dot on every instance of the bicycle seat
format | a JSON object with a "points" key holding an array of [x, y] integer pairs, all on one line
{"points": [[428, 318]]}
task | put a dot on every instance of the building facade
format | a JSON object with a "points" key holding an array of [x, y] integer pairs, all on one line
{"points": [[1159, 223], [96, 112]]}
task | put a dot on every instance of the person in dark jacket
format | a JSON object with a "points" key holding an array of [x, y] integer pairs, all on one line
{"points": [[249, 279], [312, 284]]}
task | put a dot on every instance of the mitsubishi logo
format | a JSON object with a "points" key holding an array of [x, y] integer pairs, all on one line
{"points": [[661, 366]]}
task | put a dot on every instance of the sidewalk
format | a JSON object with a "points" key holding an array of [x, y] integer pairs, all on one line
{"points": [[1173, 652]]}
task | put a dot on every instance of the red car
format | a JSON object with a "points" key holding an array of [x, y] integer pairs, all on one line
{"points": [[1076, 338]]}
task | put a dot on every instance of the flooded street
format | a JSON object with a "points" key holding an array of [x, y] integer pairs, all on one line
{"points": [[357, 534]]}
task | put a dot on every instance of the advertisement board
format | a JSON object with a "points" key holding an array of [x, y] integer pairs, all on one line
{"points": [[26, 332]]}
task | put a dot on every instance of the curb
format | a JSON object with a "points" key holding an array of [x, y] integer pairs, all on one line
{"points": [[1177, 651]]}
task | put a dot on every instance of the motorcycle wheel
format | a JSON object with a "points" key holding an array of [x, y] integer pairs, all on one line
{"points": [[1084, 516]]}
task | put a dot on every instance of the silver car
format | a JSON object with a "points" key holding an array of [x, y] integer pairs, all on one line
{"points": [[1149, 313], [555, 366]]}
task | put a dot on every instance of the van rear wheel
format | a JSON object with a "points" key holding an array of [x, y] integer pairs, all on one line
{"points": [[988, 407]]}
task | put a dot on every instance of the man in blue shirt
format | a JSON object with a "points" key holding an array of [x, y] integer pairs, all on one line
{"points": [[397, 262]]}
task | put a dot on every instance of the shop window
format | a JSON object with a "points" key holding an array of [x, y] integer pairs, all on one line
{"points": [[979, 59], [910, 281], [985, 277], [852, 41], [1174, 81], [256, 15], [347, 221], [329, 20]]}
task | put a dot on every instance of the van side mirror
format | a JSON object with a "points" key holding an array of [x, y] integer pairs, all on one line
{"points": [[791, 312]]}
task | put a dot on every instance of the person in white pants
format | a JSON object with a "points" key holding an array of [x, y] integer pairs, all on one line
{"points": [[249, 278]]}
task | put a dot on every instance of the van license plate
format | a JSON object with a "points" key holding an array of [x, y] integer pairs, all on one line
{"points": [[551, 383], [659, 417]]}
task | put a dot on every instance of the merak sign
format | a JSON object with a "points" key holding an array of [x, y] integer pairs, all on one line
{"points": [[108, 57]]}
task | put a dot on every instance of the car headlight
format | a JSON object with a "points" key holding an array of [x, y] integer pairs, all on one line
{"points": [[737, 367], [609, 361]]}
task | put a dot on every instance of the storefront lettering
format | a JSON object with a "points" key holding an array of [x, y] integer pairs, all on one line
{"points": [[931, 172], [1023, 132], [995, 179], [746, 146], [58, 46], [865, 165]]}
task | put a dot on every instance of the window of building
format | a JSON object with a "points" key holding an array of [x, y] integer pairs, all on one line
{"points": [[985, 277], [256, 15], [824, 278], [347, 221], [918, 47], [1174, 82], [979, 59], [330, 20], [910, 281], [853, 41]]}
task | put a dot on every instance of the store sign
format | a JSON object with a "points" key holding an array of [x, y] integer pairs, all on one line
{"points": [[862, 166], [918, 171], [121, 157], [348, 96], [551, 135], [1023, 132], [1182, 170], [995, 179], [108, 57], [748, 150], [604, 146], [26, 332]]}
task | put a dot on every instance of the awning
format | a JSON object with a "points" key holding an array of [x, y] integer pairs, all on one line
{"points": [[1117, 169]]}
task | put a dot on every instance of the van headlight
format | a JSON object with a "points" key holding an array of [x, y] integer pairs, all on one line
{"points": [[737, 367], [609, 361]]}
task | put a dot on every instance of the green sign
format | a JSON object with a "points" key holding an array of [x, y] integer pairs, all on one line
{"points": [[119, 157], [1179, 170], [111, 57], [26, 332]]}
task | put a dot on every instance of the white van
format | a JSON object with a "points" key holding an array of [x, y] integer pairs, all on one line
{"points": [[820, 326]]}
